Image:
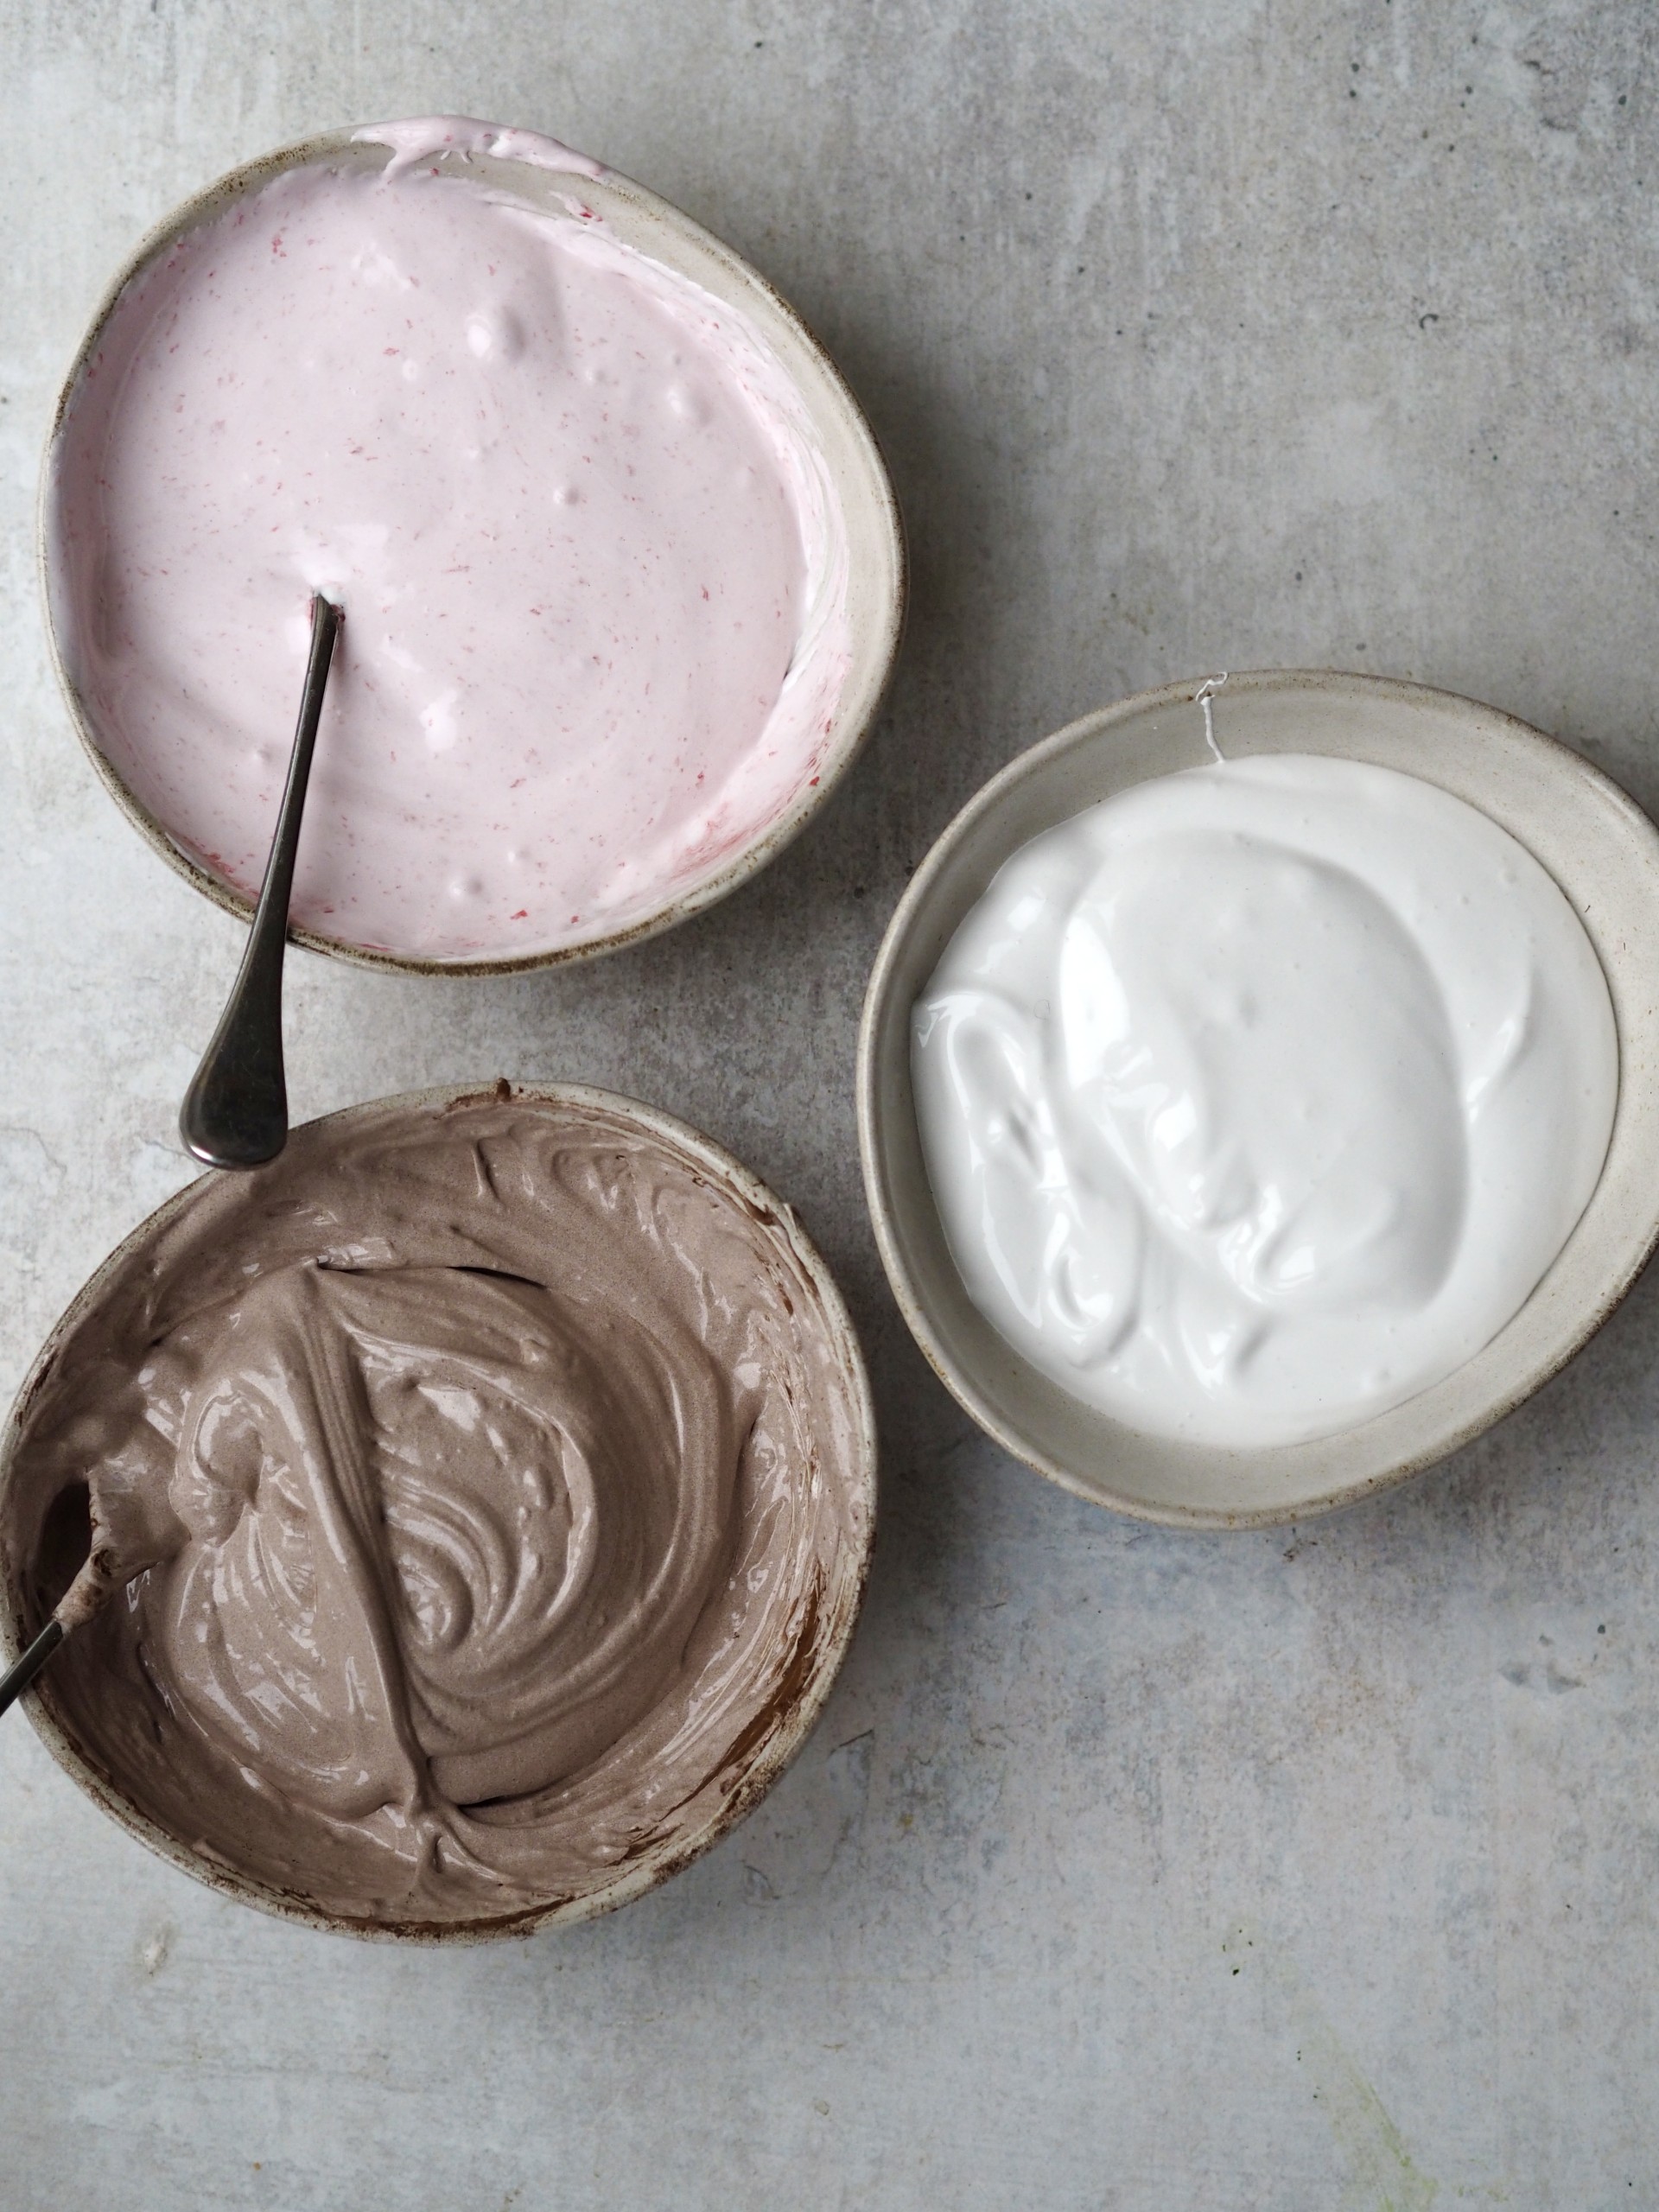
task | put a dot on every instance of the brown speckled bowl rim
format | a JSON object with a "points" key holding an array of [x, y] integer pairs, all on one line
{"points": [[910, 1236], [806, 1698], [875, 654]]}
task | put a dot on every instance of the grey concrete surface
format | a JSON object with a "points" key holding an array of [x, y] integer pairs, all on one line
{"points": [[1128, 1871]]}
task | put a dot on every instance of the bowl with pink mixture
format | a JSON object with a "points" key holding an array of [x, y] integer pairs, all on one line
{"points": [[622, 573]]}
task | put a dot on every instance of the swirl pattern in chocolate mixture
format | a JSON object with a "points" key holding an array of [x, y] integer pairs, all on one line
{"points": [[498, 1473]]}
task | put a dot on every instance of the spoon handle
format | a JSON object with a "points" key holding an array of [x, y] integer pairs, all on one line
{"points": [[18, 1678], [235, 1113]]}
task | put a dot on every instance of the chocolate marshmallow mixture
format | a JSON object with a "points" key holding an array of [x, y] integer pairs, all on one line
{"points": [[501, 1482]]}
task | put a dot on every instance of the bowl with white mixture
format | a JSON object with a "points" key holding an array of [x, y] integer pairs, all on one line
{"points": [[622, 573], [1259, 1091]]}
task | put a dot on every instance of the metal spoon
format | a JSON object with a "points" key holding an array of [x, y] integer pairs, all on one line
{"points": [[235, 1113], [13, 1685], [87, 1594]]}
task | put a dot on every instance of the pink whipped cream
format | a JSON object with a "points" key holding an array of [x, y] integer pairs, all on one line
{"points": [[593, 566]]}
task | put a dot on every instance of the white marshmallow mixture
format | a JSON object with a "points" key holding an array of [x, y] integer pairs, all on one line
{"points": [[1259, 1098]]}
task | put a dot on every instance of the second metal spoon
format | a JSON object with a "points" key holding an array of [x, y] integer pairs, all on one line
{"points": [[235, 1113], [90, 1591]]}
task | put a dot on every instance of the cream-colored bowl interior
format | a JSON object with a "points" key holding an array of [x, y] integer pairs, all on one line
{"points": [[874, 541], [1601, 849]]}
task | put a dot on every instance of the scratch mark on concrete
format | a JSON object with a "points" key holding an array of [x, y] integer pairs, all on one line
{"points": [[1380, 2175], [152, 1949]]}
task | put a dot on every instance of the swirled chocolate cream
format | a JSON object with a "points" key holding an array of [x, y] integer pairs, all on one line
{"points": [[503, 1481]]}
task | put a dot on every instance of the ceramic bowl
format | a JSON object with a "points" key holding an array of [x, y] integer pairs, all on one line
{"points": [[1601, 849], [874, 541], [845, 1462]]}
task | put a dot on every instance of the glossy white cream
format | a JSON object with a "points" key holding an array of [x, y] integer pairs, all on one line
{"points": [[1258, 1098]]}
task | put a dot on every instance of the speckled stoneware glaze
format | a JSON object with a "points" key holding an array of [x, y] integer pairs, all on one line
{"points": [[1601, 849], [807, 1679], [875, 549]]}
